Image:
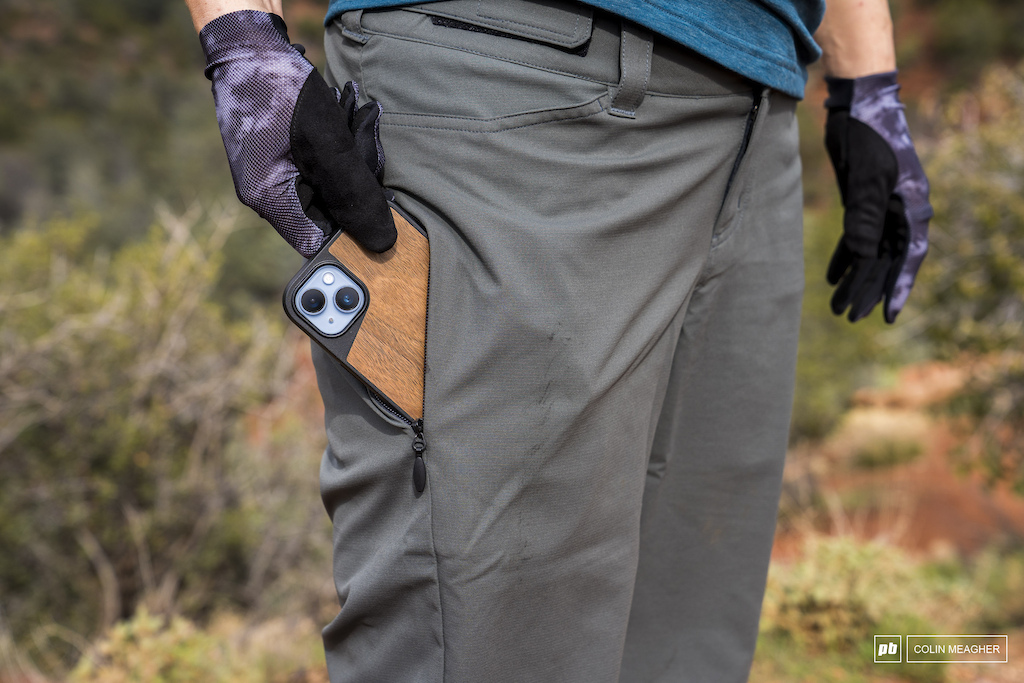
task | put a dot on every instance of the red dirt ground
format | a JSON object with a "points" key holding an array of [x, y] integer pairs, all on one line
{"points": [[924, 506]]}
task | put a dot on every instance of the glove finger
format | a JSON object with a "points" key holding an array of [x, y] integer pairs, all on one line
{"points": [[844, 292], [851, 286], [366, 131], [312, 205], [347, 98], [870, 289], [364, 124], [893, 307], [326, 155], [895, 245], [842, 257], [905, 268]]}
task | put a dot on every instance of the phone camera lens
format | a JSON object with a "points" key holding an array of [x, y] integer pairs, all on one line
{"points": [[313, 301], [347, 298]]}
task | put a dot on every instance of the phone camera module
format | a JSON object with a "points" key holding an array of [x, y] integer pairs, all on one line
{"points": [[329, 301], [313, 300], [347, 299]]}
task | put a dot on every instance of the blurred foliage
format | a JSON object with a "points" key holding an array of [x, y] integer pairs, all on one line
{"points": [[822, 609], [1000, 576], [991, 424], [884, 453], [105, 109], [842, 591], [973, 288], [971, 294], [962, 37], [835, 356], [104, 133], [150, 648], [176, 650], [121, 384]]}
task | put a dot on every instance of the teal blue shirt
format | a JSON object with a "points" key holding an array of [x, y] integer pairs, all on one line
{"points": [[768, 41]]}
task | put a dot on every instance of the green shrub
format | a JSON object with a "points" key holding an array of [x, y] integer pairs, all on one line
{"points": [[999, 575], [152, 649], [821, 612], [843, 591], [887, 453], [972, 286], [121, 383]]}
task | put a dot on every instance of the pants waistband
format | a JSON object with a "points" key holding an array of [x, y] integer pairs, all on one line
{"points": [[572, 38]]}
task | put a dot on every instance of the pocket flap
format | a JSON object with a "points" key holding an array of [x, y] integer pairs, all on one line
{"points": [[560, 23]]}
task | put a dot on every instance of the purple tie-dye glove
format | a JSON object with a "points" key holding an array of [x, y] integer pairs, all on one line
{"points": [[301, 154], [885, 194]]}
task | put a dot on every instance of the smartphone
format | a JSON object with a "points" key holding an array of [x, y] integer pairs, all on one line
{"points": [[369, 311]]}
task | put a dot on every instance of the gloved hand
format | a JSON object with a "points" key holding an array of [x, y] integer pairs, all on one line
{"points": [[301, 154], [885, 194]]}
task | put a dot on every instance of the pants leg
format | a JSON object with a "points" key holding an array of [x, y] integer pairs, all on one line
{"points": [[714, 479], [566, 243]]}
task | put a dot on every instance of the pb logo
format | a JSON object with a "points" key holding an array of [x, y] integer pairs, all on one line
{"points": [[888, 650]]}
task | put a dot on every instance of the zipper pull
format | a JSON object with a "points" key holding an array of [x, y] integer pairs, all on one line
{"points": [[419, 468]]}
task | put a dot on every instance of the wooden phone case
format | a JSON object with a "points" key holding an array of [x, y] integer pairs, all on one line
{"points": [[385, 346]]}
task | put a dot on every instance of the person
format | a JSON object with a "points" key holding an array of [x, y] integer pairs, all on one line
{"points": [[612, 196]]}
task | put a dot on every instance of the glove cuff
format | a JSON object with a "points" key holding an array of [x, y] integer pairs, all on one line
{"points": [[242, 34], [844, 93]]}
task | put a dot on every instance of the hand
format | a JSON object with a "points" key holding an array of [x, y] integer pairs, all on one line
{"points": [[301, 154], [885, 194]]}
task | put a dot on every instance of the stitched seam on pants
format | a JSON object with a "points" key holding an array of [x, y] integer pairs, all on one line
{"points": [[433, 534], [503, 117], [540, 67], [737, 219], [437, 585], [582, 111], [398, 36], [696, 96], [537, 28]]}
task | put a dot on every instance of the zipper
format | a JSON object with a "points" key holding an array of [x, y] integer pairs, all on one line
{"points": [[419, 467], [386, 406], [419, 443], [748, 131]]}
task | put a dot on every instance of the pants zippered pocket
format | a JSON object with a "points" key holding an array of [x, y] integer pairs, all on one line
{"points": [[748, 132]]}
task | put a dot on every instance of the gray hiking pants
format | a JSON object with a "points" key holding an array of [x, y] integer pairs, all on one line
{"points": [[615, 285]]}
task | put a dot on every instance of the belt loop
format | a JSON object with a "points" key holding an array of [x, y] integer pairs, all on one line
{"points": [[352, 28], [636, 46]]}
